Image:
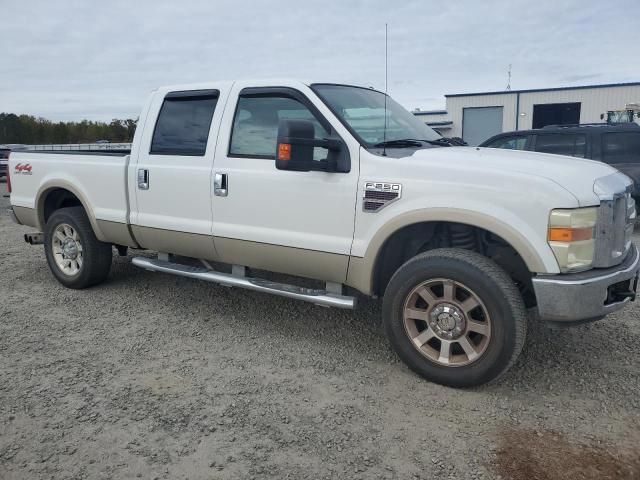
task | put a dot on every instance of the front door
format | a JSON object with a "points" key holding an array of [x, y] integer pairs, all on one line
{"points": [[172, 177], [300, 223]]}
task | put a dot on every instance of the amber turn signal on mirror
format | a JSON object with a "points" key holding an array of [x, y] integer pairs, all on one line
{"points": [[284, 151]]}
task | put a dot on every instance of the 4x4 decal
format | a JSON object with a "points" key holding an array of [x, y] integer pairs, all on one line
{"points": [[21, 169]]}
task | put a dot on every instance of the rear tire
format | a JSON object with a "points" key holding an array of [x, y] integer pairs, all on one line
{"points": [[455, 317], [75, 256]]}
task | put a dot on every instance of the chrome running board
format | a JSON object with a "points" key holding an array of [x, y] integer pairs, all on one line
{"points": [[317, 296]]}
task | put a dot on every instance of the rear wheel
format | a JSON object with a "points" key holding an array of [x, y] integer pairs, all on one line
{"points": [[75, 256], [455, 317]]}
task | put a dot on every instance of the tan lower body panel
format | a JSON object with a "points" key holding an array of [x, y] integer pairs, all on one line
{"points": [[118, 233], [359, 275], [180, 243], [330, 267], [26, 216]]}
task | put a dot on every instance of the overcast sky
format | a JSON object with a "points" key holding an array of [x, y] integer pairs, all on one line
{"points": [[97, 59]]}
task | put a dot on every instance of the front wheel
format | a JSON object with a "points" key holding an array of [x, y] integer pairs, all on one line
{"points": [[455, 317], [75, 256]]}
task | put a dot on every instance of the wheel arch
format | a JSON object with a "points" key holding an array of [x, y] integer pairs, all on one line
{"points": [[363, 271], [60, 194]]}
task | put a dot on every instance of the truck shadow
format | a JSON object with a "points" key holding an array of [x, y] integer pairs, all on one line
{"points": [[592, 352]]}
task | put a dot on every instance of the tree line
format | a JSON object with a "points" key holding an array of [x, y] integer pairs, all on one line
{"points": [[31, 130]]}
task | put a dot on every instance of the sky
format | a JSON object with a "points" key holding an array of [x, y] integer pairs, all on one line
{"points": [[77, 59]]}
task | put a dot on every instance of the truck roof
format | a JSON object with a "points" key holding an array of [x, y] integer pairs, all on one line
{"points": [[255, 82]]}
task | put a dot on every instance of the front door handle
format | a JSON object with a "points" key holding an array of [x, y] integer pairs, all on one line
{"points": [[220, 185], [143, 179]]}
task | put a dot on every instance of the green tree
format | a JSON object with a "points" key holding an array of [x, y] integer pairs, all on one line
{"points": [[28, 129]]}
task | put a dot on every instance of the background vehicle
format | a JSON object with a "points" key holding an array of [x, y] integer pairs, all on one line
{"points": [[630, 114], [5, 150], [4, 160], [617, 145], [341, 185]]}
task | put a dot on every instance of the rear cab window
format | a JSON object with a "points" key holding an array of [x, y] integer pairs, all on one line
{"points": [[570, 144], [183, 124], [621, 147]]}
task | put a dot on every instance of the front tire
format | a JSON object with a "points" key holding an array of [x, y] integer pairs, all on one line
{"points": [[75, 256], [455, 317]]}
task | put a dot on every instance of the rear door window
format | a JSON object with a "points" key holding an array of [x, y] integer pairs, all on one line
{"points": [[621, 147], [183, 123], [509, 143], [571, 144]]}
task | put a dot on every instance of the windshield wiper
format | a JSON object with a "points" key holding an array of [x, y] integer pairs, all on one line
{"points": [[403, 142], [446, 142]]}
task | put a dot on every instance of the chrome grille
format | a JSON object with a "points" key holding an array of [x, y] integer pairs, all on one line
{"points": [[616, 219]]}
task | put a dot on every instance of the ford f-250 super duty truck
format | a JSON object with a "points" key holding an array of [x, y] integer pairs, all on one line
{"points": [[333, 183]]}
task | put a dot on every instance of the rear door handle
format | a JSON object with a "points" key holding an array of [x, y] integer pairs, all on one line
{"points": [[220, 185], [143, 179]]}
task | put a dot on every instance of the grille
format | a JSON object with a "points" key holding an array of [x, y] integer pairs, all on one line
{"points": [[616, 220]]}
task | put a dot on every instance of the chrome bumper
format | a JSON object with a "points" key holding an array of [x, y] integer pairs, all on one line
{"points": [[12, 215], [590, 295]]}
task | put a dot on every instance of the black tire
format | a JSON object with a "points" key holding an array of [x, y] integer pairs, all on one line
{"points": [[96, 255], [490, 283]]}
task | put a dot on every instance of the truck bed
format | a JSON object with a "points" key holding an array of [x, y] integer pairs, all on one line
{"points": [[97, 178]]}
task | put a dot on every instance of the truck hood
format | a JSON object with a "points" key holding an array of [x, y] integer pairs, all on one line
{"points": [[575, 175]]}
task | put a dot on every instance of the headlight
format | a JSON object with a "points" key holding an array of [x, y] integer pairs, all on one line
{"points": [[572, 237]]}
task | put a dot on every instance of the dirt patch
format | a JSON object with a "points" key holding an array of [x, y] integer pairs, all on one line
{"points": [[536, 455]]}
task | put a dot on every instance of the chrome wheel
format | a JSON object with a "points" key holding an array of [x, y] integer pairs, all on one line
{"points": [[67, 249], [447, 322]]}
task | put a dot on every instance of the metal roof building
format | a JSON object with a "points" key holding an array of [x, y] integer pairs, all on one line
{"points": [[477, 116]]}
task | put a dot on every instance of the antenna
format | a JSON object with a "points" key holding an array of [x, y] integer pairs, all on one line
{"points": [[509, 80], [386, 70]]}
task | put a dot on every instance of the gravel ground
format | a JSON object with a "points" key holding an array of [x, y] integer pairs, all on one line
{"points": [[155, 376]]}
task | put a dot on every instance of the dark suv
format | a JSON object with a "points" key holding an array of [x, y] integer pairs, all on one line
{"points": [[617, 145]]}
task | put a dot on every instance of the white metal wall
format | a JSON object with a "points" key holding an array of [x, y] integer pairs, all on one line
{"points": [[593, 102]]}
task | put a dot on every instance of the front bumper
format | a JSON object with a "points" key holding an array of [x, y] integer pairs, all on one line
{"points": [[580, 297]]}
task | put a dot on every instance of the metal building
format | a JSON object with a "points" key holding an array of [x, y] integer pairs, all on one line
{"points": [[478, 116]]}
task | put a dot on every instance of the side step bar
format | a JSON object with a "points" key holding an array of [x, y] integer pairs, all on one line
{"points": [[317, 296]]}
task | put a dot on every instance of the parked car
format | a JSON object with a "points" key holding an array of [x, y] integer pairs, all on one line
{"points": [[4, 160], [5, 150], [617, 145], [314, 180]]}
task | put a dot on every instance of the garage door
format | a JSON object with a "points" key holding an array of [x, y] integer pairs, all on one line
{"points": [[480, 123]]}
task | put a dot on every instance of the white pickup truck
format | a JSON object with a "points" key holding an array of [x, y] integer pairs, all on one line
{"points": [[229, 180]]}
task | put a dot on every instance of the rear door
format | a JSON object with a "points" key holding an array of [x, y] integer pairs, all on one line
{"points": [[622, 151], [300, 223], [172, 176], [570, 144]]}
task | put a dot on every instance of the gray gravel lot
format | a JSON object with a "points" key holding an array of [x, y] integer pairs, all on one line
{"points": [[155, 376]]}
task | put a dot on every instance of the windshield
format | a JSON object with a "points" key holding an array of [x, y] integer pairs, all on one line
{"points": [[362, 111]]}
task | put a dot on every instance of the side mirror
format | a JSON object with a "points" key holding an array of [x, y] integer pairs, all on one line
{"points": [[295, 144]]}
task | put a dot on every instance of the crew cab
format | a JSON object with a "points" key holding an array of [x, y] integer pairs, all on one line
{"points": [[237, 182]]}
